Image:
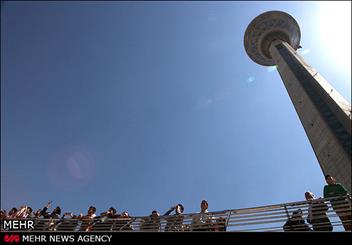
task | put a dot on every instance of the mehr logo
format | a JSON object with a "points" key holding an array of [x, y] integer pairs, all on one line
{"points": [[18, 224], [11, 238]]}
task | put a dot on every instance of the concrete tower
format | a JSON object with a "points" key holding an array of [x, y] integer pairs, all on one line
{"points": [[272, 38]]}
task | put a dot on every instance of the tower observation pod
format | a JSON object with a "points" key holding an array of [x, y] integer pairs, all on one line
{"points": [[272, 38]]}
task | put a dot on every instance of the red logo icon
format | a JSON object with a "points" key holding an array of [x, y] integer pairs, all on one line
{"points": [[11, 238]]}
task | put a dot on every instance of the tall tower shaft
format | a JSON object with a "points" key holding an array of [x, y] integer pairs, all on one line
{"points": [[272, 38]]}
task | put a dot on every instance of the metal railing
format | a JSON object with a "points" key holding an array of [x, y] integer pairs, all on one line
{"points": [[329, 214]]}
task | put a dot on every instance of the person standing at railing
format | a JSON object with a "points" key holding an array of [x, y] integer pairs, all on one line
{"points": [[22, 212], [202, 221], [53, 217], [174, 222], [38, 213], [111, 213], [317, 213], [104, 218], [3, 214], [296, 222], [55, 214], [91, 213], [342, 207], [30, 214], [12, 213], [88, 220], [151, 223]]}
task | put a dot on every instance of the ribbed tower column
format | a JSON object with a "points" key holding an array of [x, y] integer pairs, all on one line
{"points": [[272, 38]]}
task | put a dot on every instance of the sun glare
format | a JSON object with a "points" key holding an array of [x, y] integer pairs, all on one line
{"points": [[335, 32]]}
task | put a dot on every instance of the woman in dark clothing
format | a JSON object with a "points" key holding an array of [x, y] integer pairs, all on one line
{"points": [[296, 222]]}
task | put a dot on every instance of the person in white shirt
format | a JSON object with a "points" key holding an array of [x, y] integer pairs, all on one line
{"points": [[317, 213], [202, 221]]}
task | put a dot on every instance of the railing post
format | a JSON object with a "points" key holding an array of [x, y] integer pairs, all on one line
{"points": [[288, 216], [113, 224], [228, 219], [128, 223], [79, 224]]}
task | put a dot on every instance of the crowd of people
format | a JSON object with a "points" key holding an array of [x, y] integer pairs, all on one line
{"points": [[202, 221], [317, 210], [174, 222]]}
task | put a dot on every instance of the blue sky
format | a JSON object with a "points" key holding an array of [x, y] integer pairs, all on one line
{"points": [[141, 105]]}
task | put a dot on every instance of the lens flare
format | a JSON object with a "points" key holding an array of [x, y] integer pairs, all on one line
{"points": [[250, 79], [335, 32], [71, 168], [74, 168]]}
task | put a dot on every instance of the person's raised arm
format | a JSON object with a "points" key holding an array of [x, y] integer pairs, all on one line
{"points": [[48, 205], [170, 210]]}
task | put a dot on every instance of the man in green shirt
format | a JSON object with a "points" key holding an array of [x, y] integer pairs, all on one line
{"points": [[342, 207]]}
